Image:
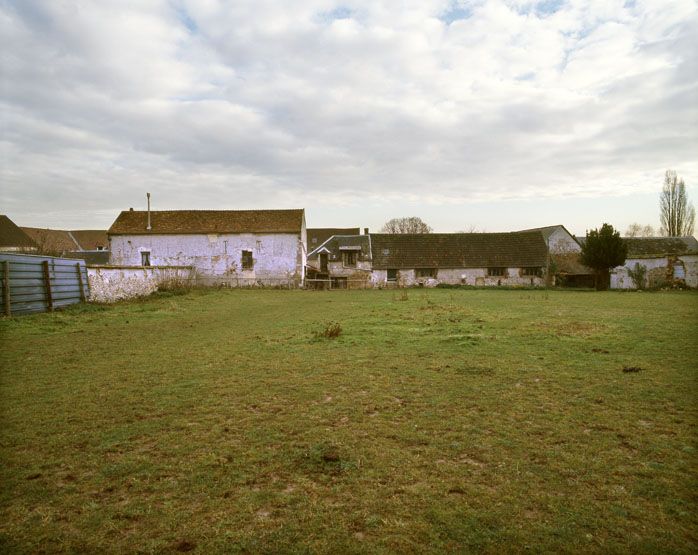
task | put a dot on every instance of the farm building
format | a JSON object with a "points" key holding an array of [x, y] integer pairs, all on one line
{"points": [[669, 261], [483, 259], [343, 260], [91, 245], [233, 247], [518, 258], [318, 235], [13, 239]]}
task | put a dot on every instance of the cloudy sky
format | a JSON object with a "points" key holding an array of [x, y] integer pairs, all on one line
{"points": [[499, 114]]}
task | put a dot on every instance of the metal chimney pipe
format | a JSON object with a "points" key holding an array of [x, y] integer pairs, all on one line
{"points": [[149, 226]]}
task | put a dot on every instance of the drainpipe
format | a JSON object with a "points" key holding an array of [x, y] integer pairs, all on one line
{"points": [[149, 227]]}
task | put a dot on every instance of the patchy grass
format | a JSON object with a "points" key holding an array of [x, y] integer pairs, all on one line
{"points": [[444, 421]]}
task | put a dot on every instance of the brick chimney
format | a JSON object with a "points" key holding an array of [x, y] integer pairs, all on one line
{"points": [[149, 227]]}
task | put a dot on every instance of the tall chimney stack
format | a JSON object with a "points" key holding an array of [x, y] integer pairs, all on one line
{"points": [[365, 231], [149, 226]]}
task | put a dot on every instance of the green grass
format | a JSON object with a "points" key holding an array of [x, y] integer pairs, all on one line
{"points": [[459, 421]]}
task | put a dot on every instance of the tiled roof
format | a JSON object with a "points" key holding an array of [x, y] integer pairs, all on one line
{"points": [[639, 247], [91, 239], [134, 222], [63, 240], [318, 235], [459, 250], [12, 236], [52, 240]]}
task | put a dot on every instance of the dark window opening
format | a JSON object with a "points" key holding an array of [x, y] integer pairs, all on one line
{"points": [[425, 272], [145, 258], [247, 260], [531, 271], [323, 262], [392, 275], [496, 271], [349, 258]]}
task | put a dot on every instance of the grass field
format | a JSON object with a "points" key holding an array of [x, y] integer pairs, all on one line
{"points": [[438, 421]]}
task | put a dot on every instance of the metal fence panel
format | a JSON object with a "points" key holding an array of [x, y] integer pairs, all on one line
{"points": [[33, 283]]}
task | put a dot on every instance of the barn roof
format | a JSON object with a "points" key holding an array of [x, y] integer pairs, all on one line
{"points": [[184, 222], [458, 250], [63, 240], [643, 247], [13, 236]]}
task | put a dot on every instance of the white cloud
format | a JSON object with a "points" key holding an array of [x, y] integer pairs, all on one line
{"points": [[226, 103]]}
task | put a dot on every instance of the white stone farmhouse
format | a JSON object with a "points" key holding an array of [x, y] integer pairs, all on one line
{"points": [[232, 247]]}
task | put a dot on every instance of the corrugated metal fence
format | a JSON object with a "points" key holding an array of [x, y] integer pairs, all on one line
{"points": [[40, 283]]}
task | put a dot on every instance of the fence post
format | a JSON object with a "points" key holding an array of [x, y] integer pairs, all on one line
{"points": [[82, 290], [6, 287], [47, 286]]}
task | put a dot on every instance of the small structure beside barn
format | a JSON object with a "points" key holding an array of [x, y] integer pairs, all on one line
{"points": [[668, 262], [230, 247], [341, 262]]}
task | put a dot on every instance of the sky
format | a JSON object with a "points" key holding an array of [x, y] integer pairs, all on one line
{"points": [[471, 114]]}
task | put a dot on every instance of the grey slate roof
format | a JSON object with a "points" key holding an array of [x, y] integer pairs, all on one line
{"points": [[183, 222], [459, 250]]}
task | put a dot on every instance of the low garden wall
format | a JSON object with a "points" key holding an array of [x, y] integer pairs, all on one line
{"points": [[109, 284]]}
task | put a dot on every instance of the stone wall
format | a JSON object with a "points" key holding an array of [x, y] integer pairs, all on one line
{"points": [[109, 284], [465, 276], [661, 271]]}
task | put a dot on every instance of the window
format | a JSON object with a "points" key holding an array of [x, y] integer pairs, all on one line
{"points": [[392, 275], [349, 259], [531, 271], [145, 258], [323, 262], [496, 271], [425, 273], [247, 261]]}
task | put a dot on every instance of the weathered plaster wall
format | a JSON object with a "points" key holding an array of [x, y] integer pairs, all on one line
{"points": [[657, 271], [111, 284], [560, 242], [218, 257], [337, 269], [464, 276]]}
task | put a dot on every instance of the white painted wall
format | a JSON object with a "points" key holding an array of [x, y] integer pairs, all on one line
{"points": [[463, 276], [621, 280], [561, 242], [111, 284], [218, 257]]}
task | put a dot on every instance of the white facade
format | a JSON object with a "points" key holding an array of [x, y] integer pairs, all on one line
{"points": [[561, 242], [660, 271], [276, 258], [466, 276]]}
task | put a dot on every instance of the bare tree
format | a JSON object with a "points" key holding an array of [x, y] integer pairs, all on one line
{"points": [[472, 229], [412, 224], [639, 230], [677, 215]]}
